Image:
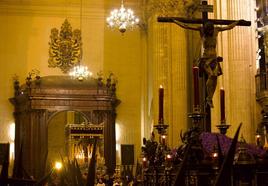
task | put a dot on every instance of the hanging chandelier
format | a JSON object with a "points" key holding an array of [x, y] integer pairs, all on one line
{"points": [[80, 72], [122, 19]]}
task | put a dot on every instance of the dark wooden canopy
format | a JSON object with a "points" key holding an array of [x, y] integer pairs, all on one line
{"points": [[39, 99]]}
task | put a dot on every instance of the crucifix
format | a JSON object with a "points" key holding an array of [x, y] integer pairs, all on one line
{"points": [[209, 61]]}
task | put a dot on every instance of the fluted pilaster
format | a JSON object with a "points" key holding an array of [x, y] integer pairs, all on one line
{"points": [[238, 51], [168, 66]]}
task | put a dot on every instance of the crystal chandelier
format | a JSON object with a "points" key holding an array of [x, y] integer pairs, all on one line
{"points": [[122, 18], [80, 72]]}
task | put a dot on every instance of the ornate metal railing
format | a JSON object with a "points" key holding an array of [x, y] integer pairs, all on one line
{"points": [[247, 174], [165, 176]]}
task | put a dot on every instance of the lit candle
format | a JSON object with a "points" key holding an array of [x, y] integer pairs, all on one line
{"points": [[196, 85], [161, 105], [258, 139], [222, 103], [215, 155], [169, 157], [144, 162], [169, 160], [163, 137]]}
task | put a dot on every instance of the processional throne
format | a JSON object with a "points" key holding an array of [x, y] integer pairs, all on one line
{"points": [[80, 140]]}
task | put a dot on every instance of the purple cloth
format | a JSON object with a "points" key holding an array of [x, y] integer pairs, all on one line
{"points": [[209, 142]]}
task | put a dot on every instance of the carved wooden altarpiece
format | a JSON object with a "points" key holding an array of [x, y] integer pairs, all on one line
{"points": [[39, 99]]}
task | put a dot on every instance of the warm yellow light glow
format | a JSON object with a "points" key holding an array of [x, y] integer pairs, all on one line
{"points": [[11, 151], [117, 137], [117, 132], [161, 86], [80, 155], [80, 72], [169, 156], [58, 165], [117, 147], [122, 19], [12, 131], [215, 155]]}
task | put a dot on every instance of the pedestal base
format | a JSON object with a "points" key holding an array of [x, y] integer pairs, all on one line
{"points": [[223, 127]]}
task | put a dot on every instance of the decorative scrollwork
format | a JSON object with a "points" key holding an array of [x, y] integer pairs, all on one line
{"points": [[172, 7], [65, 49]]}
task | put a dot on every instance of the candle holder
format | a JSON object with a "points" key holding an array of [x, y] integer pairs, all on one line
{"points": [[196, 115], [161, 128], [192, 137], [223, 127], [162, 131]]}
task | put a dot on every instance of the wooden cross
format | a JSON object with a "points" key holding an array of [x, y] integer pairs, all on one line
{"points": [[204, 8]]}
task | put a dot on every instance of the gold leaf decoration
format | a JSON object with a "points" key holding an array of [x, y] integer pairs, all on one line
{"points": [[65, 47]]}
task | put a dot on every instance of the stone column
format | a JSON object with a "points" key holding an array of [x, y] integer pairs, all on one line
{"points": [[168, 50], [238, 50]]}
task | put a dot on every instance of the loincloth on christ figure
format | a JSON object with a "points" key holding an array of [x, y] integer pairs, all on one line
{"points": [[210, 66]]}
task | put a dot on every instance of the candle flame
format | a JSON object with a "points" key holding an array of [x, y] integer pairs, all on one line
{"points": [[161, 86], [169, 156], [58, 165], [215, 155]]}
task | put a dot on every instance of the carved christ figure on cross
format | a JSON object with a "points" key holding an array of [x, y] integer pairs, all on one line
{"points": [[209, 60]]}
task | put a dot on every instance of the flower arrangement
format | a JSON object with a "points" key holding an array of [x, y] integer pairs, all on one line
{"points": [[209, 141]]}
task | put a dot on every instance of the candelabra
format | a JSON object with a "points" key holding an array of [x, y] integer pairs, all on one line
{"points": [[158, 162]]}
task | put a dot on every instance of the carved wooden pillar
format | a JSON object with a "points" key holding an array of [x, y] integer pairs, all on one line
{"points": [[109, 141], [38, 139], [18, 143], [30, 142], [22, 140]]}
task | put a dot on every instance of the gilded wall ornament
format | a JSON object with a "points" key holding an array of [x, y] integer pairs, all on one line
{"points": [[65, 47], [172, 7]]}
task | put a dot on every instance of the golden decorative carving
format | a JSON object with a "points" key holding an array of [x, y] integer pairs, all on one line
{"points": [[65, 47], [172, 7]]}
